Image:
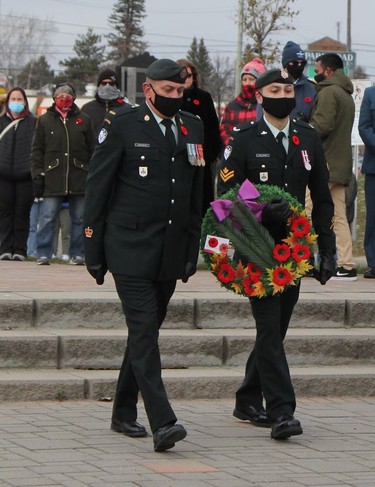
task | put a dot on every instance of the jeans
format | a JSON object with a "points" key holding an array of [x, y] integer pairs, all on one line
{"points": [[31, 240], [48, 213]]}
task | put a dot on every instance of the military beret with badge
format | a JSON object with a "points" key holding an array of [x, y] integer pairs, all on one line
{"points": [[274, 76], [166, 69]]}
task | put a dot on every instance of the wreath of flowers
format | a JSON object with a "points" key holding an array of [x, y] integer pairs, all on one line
{"points": [[267, 268]]}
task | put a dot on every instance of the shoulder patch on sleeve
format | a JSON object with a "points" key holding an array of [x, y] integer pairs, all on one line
{"points": [[103, 134], [226, 174]]}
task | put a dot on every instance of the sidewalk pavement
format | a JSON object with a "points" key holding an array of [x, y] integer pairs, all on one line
{"points": [[69, 444]]}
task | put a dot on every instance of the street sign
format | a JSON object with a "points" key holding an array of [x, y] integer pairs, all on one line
{"points": [[348, 58]]}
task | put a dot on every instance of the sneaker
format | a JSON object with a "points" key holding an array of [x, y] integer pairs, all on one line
{"points": [[343, 274], [42, 261], [6, 256], [19, 257], [77, 260], [369, 274], [65, 258]]}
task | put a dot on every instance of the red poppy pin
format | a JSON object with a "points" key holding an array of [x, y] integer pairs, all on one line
{"points": [[295, 140], [183, 130], [307, 99], [79, 121], [196, 102]]}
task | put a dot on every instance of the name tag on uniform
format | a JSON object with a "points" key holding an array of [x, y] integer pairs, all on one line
{"points": [[263, 176], [143, 171]]}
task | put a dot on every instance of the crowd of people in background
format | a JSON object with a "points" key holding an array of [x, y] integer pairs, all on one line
{"points": [[44, 162]]}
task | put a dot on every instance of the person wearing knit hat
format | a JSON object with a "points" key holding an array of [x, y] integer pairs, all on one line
{"points": [[244, 107], [294, 61], [108, 97], [62, 146]]}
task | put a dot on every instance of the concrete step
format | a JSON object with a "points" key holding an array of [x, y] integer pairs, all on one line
{"points": [[104, 349], [66, 310], [191, 383]]}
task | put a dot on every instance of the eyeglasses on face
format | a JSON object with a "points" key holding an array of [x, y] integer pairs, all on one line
{"points": [[111, 83], [189, 75]]}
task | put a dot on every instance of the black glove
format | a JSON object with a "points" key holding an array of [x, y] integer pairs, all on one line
{"points": [[327, 266], [98, 272], [274, 217], [190, 270], [277, 210], [38, 186]]}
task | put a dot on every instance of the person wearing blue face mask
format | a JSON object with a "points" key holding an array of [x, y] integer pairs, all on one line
{"points": [[16, 195]]}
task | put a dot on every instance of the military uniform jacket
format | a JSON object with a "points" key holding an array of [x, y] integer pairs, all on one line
{"points": [[254, 154], [143, 205]]}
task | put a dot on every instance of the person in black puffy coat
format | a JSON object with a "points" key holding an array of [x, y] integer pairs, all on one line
{"points": [[16, 195]]}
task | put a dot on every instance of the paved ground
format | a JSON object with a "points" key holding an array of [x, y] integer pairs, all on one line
{"points": [[69, 444]]}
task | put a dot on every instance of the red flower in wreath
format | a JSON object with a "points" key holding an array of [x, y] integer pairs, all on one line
{"points": [[307, 99], [213, 242], [301, 252], [196, 102], [254, 272], [281, 276], [300, 226], [120, 101], [226, 273], [295, 140], [281, 252], [183, 130], [79, 121], [224, 248], [248, 286]]}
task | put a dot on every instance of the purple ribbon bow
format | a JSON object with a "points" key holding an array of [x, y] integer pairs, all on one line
{"points": [[246, 193]]}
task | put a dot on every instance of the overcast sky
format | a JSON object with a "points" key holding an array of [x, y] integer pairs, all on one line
{"points": [[170, 25]]}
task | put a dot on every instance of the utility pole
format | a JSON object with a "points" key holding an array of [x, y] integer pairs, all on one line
{"points": [[349, 26], [237, 87]]}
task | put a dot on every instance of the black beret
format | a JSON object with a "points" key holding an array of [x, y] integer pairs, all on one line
{"points": [[274, 76], [166, 69]]}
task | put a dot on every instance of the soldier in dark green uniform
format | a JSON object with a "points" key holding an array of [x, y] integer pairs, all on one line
{"points": [[278, 150], [142, 222]]}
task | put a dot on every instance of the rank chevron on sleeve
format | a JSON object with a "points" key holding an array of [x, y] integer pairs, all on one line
{"points": [[226, 174]]}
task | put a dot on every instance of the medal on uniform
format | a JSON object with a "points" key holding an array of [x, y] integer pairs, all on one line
{"points": [[263, 176], [202, 162], [193, 154], [143, 171], [306, 160]]}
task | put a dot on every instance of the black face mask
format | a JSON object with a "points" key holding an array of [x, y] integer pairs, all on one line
{"points": [[319, 77], [278, 107], [295, 71], [167, 106]]}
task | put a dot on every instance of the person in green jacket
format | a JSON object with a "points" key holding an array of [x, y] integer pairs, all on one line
{"points": [[61, 150], [333, 118]]}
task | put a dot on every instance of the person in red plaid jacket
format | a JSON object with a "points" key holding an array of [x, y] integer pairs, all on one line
{"points": [[243, 108]]}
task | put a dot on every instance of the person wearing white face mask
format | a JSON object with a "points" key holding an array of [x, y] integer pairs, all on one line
{"points": [[16, 196], [108, 97]]}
